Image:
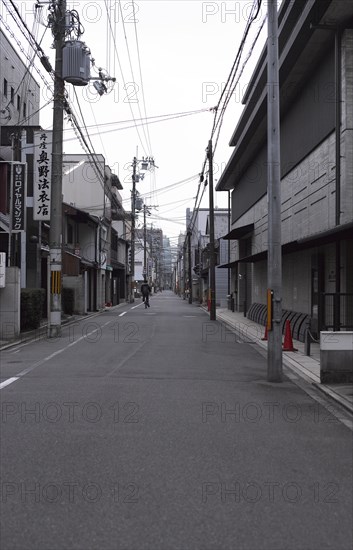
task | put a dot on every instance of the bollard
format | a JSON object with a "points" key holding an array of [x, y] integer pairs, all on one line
{"points": [[307, 342]]}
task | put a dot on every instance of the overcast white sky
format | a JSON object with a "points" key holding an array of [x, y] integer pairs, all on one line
{"points": [[186, 51]]}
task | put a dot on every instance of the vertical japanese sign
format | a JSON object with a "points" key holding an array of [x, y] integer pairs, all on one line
{"points": [[42, 175], [18, 201]]}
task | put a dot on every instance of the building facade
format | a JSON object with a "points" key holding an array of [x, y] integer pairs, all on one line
{"points": [[316, 129]]}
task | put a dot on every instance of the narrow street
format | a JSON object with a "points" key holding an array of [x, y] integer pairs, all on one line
{"points": [[156, 430]]}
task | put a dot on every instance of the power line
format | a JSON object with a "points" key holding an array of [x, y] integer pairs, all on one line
{"points": [[48, 86], [182, 113], [142, 86], [218, 122], [122, 74], [169, 187], [135, 125], [226, 102], [235, 65], [36, 47], [27, 71], [132, 74]]}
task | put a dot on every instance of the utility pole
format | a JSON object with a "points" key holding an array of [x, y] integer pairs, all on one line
{"points": [[274, 258], [212, 248], [133, 226], [189, 266], [146, 162], [184, 270], [229, 224], [55, 234], [144, 242]]}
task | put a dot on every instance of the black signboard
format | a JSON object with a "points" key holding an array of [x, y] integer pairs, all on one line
{"points": [[18, 200]]}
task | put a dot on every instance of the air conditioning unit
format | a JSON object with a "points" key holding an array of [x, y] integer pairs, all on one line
{"points": [[76, 63]]}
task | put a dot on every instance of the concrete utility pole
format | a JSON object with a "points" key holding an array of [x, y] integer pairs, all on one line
{"points": [[133, 226], [229, 224], [55, 234], [146, 162], [145, 242], [212, 248], [189, 267], [184, 270], [274, 259]]}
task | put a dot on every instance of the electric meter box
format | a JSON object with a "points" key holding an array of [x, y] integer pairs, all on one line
{"points": [[76, 63]]}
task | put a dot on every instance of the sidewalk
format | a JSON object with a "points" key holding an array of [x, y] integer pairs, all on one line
{"points": [[306, 367]]}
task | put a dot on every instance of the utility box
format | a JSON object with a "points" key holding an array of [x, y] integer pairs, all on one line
{"points": [[76, 63], [336, 357]]}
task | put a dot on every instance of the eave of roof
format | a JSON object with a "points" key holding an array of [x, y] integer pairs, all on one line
{"points": [[341, 232]]}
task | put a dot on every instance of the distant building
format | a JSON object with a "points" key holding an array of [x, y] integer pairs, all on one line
{"points": [[200, 259]]}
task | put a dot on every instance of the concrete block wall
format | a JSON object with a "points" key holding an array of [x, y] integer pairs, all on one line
{"points": [[296, 274], [10, 304], [308, 200]]}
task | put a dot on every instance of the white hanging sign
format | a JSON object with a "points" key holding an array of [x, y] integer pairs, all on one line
{"points": [[42, 175]]}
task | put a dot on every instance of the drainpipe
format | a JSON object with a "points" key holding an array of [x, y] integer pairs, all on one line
{"points": [[337, 305]]}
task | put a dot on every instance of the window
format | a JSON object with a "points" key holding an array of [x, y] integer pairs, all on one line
{"points": [[70, 234], [5, 87], [12, 95], [18, 103], [24, 110]]}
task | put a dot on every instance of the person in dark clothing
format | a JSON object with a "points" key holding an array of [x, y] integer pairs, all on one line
{"points": [[145, 291]]}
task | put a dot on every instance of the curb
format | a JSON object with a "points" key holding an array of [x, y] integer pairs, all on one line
{"points": [[31, 335], [335, 397]]}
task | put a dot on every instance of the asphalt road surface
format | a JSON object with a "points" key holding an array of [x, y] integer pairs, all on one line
{"points": [[156, 430]]}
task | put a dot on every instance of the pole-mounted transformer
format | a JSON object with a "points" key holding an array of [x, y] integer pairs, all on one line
{"points": [[76, 63]]}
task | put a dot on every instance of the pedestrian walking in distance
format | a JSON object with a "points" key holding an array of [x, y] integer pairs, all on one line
{"points": [[145, 291]]}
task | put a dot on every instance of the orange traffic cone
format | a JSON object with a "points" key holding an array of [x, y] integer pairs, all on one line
{"points": [[288, 342], [266, 334]]}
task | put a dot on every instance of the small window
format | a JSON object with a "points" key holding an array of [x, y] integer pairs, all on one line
{"points": [[5, 87], [70, 234], [24, 110], [12, 95], [18, 103]]}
